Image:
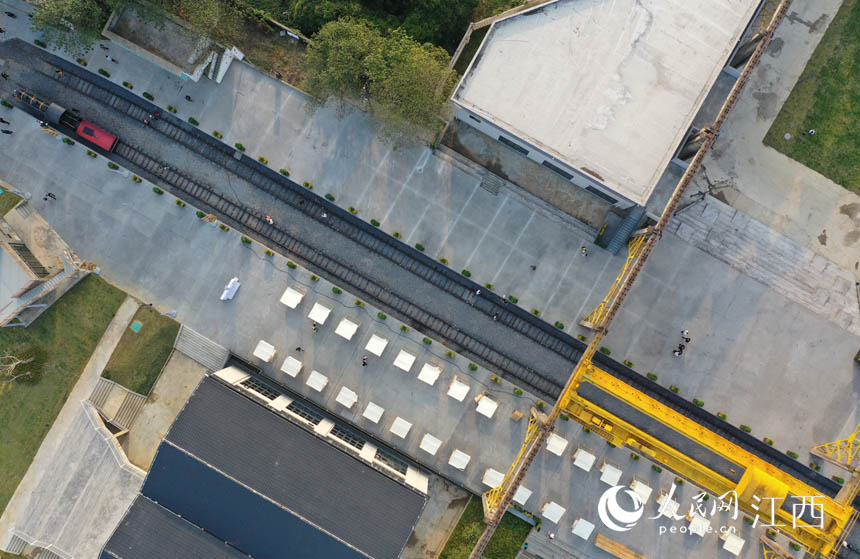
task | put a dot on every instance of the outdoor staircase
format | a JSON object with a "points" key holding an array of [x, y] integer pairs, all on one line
{"points": [[37, 292], [201, 349], [128, 410], [492, 183], [625, 229], [16, 545], [126, 413]]}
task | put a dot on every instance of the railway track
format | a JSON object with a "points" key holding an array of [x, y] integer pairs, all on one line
{"points": [[248, 220]]}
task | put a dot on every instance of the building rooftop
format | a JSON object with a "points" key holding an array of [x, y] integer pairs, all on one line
{"points": [[261, 485], [609, 87]]}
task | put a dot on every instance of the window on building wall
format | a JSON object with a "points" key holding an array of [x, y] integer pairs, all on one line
{"points": [[476, 119], [513, 145], [602, 194], [558, 170]]}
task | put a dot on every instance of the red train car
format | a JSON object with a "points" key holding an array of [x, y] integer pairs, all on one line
{"points": [[96, 135]]}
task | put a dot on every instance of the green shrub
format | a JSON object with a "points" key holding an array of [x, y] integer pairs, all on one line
{"points": [[489, 286], [200, 214], [314, 278], [581, 338], [291, 265], [427, 341], [518, 391], [381, 316], [6, 103], [157, 190], [193, 121], [768, 441], [794, 546], [404, 328], [814, 466], [128, 85], [656, 468], [540, 404], [359, 303], [148, 96], [81, 61], [535, 312], [721, 415], [449, 353], [217, 134], [239, 146], [262, 159], [223, 227], [112, 165], [746, 428], [180, 203], [39, 43], [284, 172], [495, 379], [679, 481], [674, 389], [792, 454], [611, 444], [374, 222], [329, 197], [104, 72], [466, 273], [443, 260], [473, 367], [171, 108], [307, 185], [68, 141], [352, 210], [563, 417], [91, 153], [246, 240], [269, 252], [511, 298], [698, 402], [771, 533], [397, 235], [419, 246], [651, 376], [634, 456], [605, 350], [749, 520], [559, 325], [136, 178], [839, 480], [336, 290], [629, 363]]}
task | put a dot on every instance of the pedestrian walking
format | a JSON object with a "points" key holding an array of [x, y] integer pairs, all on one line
{"points": [[278, 75], [324, 215], [533, 267], [109, 58], [4, 121], [59, 73], [189, 99], [584, 251], [146, 122], [269, 220], [364, 360], [45, 198], [4, 75], [685, 335], [101, 46], [496, 316], [678, 351], [7, 131], [478, 292], [299, 349], [11, 14], [314, 327], [552, 535], [51, 196]]}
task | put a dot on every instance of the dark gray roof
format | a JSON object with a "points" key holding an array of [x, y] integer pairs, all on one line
{"points": [[148, 530], [267, 487]]}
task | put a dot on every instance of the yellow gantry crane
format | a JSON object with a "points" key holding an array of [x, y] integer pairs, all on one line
{"points": [[757, 478]]}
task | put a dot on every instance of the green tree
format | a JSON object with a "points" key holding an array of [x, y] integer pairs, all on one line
{"points": [[403, 82], [72, 25]]}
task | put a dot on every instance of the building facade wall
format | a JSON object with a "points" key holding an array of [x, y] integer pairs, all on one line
{"points": [[537, 155]]}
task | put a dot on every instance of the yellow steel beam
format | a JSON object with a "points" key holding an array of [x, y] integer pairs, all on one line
{"points": [[844, 453], [596, 319], [760, 479]]}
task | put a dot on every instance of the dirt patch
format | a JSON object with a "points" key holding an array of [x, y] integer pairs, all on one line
{"points": [[767, 101], [852, 210], [775, 47], [822, 238]]}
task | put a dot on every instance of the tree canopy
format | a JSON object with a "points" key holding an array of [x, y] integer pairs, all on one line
{"points": [[403, 82]]}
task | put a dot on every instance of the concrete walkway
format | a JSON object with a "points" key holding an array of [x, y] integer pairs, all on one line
{"points": [[774, 189], [51, 461]]}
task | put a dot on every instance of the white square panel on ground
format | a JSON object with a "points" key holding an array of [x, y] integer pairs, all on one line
{"points": [[430, 444], [319, 313], [373, 412], [552, 511], [292, 297], [376, 345], [458, 389], [584, 459], [671, 508], [459, 459], [522, 495], [487, 406], [492, 478], [404, 360], [732, 543], [582, 528], [264, 351], [429, 373], [400, 427], [346, 397], [556, 444], [346, 329], [317, 381], [642, 489], [611, 474], [291, 366], [699, 525]]}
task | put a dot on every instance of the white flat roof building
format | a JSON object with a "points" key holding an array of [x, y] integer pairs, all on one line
{"points": [[601, 91]]}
